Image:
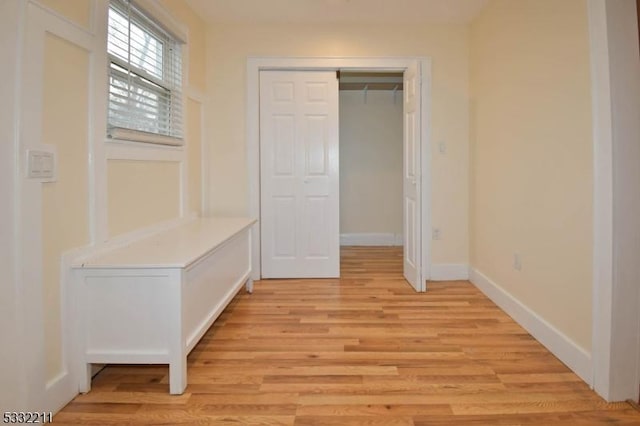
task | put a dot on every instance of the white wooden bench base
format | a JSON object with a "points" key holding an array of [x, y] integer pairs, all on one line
{"points": [[151, 301]]}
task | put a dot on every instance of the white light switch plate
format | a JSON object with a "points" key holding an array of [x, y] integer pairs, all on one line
{"points": [[41, 164]]}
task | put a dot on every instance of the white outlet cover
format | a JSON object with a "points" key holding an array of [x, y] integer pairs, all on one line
{"points": [[517, 262]]}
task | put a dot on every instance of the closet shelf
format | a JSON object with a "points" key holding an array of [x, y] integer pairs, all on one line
{"points": [[370, 86]]}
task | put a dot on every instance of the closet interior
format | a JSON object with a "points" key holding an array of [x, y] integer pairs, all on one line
{"points": [[371, 135]]}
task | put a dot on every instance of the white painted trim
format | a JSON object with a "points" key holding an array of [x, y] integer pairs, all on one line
{"points": [[164, 18], [132, 357], [567, 351], [425, 151], [37, 21], [449, 272], [616, 301], [255, 64], [68, 22], [65, 384], [602, 196], [124, 134], [123, 150], [60, 25], [58, 390], [205, 168], [12, 375], [371, 239], [98, 191], [195, 94], [200, 98]]}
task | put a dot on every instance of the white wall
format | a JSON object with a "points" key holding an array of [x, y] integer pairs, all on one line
{"points": [[370, 162]]}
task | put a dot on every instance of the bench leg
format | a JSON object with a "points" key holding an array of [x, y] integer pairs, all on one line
{"points": [[178, 377], [249, 286], [84, 380]]}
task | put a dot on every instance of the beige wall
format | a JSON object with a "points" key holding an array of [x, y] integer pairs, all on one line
{"points": [[370, 162], [65, 211], [532, 174], [141, 193], [196, 75], [79, 11], [228, 47]]}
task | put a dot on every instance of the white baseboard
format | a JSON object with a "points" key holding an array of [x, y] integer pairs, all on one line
{"points": [[371, 239], [567, 351], [449, 272], [59, 391]]}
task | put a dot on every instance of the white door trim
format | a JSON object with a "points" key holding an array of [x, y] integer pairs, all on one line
{"points": [[13, 374], [255, 64], [616, 339]]}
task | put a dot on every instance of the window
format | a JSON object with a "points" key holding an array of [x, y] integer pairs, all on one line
{"points": [[145, 78]]}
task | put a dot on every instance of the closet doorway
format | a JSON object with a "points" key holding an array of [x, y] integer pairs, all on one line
{"points": [[371, 212], [415, 183]]}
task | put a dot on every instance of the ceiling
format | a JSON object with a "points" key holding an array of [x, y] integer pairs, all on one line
{"points": [[337, 11]]}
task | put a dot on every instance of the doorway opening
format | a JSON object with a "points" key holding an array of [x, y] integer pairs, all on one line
{"points": [[416, 179], [371, 106]]}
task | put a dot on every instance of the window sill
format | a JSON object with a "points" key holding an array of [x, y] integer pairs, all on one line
{"points": [[127, 135]]}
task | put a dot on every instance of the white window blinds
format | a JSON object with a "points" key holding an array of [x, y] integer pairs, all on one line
{"points": [[145, 78]]}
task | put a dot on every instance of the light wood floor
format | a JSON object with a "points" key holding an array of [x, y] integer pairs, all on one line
{"points": [[361, 350]]}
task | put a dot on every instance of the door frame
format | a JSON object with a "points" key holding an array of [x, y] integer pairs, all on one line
{"points": [[615, 351], [257, 64]]}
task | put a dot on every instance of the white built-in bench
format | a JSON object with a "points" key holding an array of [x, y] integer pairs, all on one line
{"points": [[151, 300]]}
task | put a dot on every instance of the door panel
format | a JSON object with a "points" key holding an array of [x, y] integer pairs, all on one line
{"points": [[284, 145], [411, 180], [317, 212], [285, 244], [316, 144], [299, 174]]}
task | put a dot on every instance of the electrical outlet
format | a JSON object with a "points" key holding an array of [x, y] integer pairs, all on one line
{"points": [[442, 147], [435, 234], [517, 262]]}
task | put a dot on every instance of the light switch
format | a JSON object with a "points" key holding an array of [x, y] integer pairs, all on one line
{"points": [[47, 165], [41, 165]]}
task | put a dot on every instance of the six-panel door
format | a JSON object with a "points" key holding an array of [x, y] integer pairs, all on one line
{"points": [[299, 192]]}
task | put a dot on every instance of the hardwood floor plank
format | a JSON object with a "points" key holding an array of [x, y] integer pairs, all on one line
{"points": [[351, 420], [545, 406], [364, 349], [375, 410]]}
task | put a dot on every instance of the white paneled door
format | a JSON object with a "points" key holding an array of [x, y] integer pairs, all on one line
{"points": [[411, 179], [299, 181]]}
